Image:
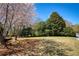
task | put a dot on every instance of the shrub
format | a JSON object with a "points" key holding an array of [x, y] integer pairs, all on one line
{"points": [[68, 32], [26, 32], [49, 32], [40, 28]]}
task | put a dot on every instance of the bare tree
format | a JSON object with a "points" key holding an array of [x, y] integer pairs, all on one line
{"points": [[68, 23]]}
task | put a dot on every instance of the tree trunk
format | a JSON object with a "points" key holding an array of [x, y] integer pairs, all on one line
{"points": [[15, 37], [3, 40]]}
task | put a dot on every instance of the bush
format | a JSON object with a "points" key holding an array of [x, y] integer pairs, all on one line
{"points": [[49, 32], [39, 28], [26, 32], [68, 32]]}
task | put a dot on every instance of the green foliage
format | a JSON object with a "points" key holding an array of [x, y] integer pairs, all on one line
{"points": [[54, 26], [26, 32], [68, 32], [49, 32], [56, 23], [56, 19], [40, 28]]}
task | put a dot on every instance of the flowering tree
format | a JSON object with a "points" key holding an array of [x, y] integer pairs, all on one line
{"points": [[15, 16]]}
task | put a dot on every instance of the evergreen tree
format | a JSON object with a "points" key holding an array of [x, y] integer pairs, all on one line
{"points": [[56, 23]]}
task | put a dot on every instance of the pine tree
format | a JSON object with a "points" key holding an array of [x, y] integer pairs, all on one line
{"points": [[56, 23]]}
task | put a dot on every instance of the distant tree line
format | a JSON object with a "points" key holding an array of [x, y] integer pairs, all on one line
{"points": [[55, 25]]}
